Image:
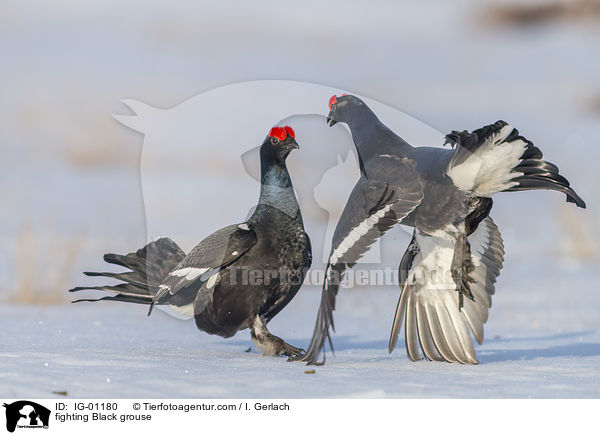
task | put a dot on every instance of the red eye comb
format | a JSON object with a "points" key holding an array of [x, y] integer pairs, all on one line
{"points": [[281, 133], [333, 100]]}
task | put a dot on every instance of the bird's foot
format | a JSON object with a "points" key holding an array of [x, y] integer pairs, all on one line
{"points": [[290, 351], [463, 280], [462, 292], [461, 268], [272, 345], [308, 359]]}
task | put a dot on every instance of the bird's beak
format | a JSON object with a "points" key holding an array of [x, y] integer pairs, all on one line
{"points": [[295, 145], [330, 120]]}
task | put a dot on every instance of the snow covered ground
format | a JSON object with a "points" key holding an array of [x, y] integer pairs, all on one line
{"points": [[114, 350]]}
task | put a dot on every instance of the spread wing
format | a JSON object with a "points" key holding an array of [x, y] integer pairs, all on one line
{"points": [[390, 191], [218, 250], [429, 304]]}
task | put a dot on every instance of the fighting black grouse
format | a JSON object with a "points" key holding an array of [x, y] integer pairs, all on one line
{"points": [[448, 272], [238, 277]]}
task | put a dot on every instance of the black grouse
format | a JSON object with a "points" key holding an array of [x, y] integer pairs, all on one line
{"points": [[448, 272], [238, 277]]}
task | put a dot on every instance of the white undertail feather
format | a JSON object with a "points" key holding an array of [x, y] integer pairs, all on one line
{"points": [[184, 310], [489, 169], [431, 267]]}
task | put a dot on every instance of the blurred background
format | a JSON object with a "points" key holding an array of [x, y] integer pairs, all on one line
{"points": [[70, 185]]}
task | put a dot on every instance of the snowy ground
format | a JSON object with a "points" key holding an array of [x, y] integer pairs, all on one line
{"points": [[114, 350]]}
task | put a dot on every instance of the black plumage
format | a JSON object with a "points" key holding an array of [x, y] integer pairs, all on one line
{"points": [[239, 277], [447, 274]]}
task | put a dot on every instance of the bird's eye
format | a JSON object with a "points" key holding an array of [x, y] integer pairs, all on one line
{"points": [[274, 140], [333, 107]]}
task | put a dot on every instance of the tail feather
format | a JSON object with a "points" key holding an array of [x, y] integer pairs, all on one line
{"points": [[542, 171], [133, 278], [120, 298], [496, 158], [148, 267], [539, 164], [123, 288], [539, 174], [133, 260]]}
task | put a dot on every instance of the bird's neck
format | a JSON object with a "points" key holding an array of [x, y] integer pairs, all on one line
{"points": [[276, 188], [372, 137]]}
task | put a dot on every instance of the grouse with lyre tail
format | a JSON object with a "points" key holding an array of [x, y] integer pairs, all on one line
{"points": [[448, 273], [238, 277]]}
